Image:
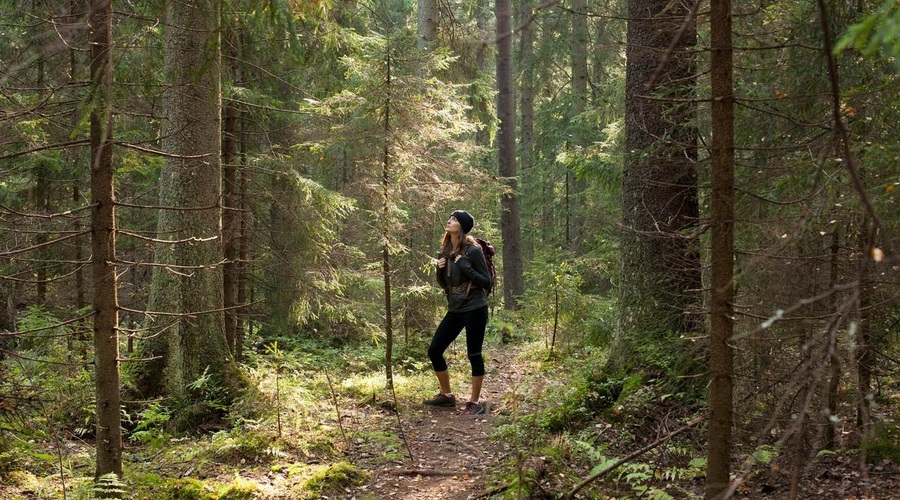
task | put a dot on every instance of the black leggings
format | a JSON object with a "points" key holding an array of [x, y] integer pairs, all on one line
{"points": [[474, 322]]}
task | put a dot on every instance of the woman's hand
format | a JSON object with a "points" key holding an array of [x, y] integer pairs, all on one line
{"points": [[442, 262]]}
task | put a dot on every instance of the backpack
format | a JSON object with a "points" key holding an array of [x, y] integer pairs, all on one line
{"points": [[488, 251]]}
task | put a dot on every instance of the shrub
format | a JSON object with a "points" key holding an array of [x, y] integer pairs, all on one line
{"points": [[884, 444]]}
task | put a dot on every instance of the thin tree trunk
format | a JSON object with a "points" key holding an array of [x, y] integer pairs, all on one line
{"points": [[385, 231], [41, 196], [721, 358], [865, 350], [834, 358], [103, 245], [244, 244], [230, 224], [74, 74], [513, 281]]}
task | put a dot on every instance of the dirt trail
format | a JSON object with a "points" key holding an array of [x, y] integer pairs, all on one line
{"points": [[453, 454]]}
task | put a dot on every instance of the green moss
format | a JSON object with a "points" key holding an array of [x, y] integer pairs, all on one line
{"points": [[333, 478], [632, 383], [186, 489], [19, 478], [884, 444], [239, 489]]}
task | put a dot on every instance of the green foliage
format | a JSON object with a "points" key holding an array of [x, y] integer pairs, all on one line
{"points": [[579, 401], [109, 486], [244, 445], [764, 454], [63, 392], [557, 294], [645, 479], [152, 425], [206, 399], [878, 32], [884, 443]]}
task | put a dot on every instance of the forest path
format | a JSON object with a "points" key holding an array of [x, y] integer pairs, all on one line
{"points": [[452, 453]]}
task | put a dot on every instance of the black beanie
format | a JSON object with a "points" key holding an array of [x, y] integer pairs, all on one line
{"points": [[466, 221]]}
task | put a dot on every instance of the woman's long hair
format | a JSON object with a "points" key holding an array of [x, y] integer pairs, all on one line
{"points": [[446, 245]]}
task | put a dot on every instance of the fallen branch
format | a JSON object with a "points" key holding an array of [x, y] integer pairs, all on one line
{"points": [[493, 491], [425, 472], [632, 456]]}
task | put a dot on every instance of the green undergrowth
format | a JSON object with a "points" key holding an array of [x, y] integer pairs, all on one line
{"points": [[579, 420], [884, 444], [311, 404]]}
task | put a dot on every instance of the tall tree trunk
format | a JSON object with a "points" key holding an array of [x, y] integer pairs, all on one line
{"points": [[230, 225], [526, 87], [187, 296], [513, 282], [721, 354], [75, 163], [579, 52], [103, 245], [526, 99], [427, 26], [482, 7], [41, 195], [385, 230], [660, 261], [244, 244], [834, 358]]}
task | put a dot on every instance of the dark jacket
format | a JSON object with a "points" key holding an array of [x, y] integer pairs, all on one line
{"points": [[464, 282]]}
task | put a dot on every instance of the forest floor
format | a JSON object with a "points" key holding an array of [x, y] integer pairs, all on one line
{"points": [[431, 453], [452, 454]]}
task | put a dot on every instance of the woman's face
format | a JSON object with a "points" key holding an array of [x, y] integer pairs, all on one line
{"points": [[452, 225]]}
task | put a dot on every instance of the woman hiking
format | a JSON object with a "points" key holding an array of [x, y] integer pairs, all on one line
{"points": [[463, 273]]}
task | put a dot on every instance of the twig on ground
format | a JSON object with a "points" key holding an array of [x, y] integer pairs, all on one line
{"points": [[425, 472], [400, 426], [337, 410], [493, 491]]}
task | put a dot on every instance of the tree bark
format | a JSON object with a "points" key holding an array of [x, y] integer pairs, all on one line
{"points": [[513, 282], [834, 359], [660, 260], [385, 231], [427, 26], [482, 7], [526, 88], [192, 342], [243, 245], [580, 44], [721, 357], [230, 225], [103, 243]]}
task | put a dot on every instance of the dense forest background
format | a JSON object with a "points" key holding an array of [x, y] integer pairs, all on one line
{"points": [[220, 221]]}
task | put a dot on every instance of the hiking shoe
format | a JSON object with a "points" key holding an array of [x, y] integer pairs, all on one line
{"points": [[473, 409], [441, 399]]}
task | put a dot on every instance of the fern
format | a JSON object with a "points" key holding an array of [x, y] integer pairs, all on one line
{"points": [[108, 486]]}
